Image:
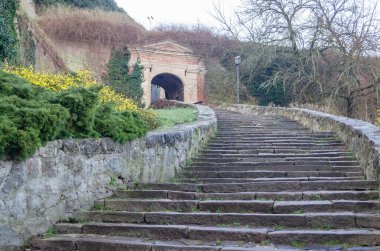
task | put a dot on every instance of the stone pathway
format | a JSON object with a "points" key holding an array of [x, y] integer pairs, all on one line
{"points": [[263, 183]]}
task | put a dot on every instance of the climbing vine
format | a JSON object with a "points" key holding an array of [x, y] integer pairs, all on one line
{"points": [[123, 79], [8, 35]]}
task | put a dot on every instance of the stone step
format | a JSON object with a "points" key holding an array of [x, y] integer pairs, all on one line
{"points": [[74, 242], [242, 134], [289, 186], [358, 237], [276, 221], [267, 167], [265, 144], [174, 232], [211, 155], [273, 147], [241, 206], [249, 180], [280, 196], [259, 159], [263, 186], [266, 162], [275, 142], [265, 141], [267, 174], [130, 233], [273, 151]]}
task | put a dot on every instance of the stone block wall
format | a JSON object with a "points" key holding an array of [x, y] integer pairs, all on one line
{"points": [[362, 138], [69, 175]]}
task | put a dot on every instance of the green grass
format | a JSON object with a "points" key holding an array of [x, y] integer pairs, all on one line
{"points": [[278, 227], [332, 243], [49, 233], [300, 211], [266, 243], [298, 244], [175, 116]]}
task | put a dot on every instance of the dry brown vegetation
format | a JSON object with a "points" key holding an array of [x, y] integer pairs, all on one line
{"points": [[90, 26], [202, 40], [39, 35]]}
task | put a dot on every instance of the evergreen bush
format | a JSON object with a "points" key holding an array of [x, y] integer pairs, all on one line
{"points": [[30, 116], [121, 126]]}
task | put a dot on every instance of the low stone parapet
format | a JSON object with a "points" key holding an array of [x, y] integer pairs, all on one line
{"points": [[69, 175], [362, 138]]}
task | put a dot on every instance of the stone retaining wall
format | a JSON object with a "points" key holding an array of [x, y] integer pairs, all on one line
{"points": [[68, 175], [362, 138]]}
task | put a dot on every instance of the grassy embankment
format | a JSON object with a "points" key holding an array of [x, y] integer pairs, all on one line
{"points": [[170, 117]]}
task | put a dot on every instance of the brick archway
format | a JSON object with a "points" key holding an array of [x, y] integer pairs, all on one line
{"points": [[167, 85], [172, 67]]}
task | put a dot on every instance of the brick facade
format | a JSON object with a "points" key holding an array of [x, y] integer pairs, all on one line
{"points": [[168, 58]]}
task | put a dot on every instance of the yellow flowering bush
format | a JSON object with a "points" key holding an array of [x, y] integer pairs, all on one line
{"points": [[59, 81]]}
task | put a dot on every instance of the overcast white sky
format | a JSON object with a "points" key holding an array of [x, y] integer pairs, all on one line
{"points": [[174, 11]]}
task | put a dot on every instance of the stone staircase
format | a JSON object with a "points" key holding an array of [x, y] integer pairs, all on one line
{"points": [[263, 183]]}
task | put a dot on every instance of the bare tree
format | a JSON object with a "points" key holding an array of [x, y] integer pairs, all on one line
{"points": [[328, 43]]}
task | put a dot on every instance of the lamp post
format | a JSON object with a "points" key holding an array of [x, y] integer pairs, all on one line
{"points": [[150, 22], [237, 63]]}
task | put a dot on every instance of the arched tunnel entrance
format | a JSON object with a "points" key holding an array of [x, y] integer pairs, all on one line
{"points": [[170, 83]]}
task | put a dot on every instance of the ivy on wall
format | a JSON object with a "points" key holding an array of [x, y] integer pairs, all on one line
{"points": [[8, 35], [123, 79]]}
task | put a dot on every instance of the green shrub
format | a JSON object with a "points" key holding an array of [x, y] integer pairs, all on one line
{"points": [[121, 79], [8, 36], [120, 126], [81, 102], [31, 116], [28, 120]]}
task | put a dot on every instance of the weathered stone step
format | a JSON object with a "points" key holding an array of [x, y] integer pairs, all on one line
{"points": [[249, 180], [232, 134], [175, 232], [269, 162], [273, 151], [209, 234], [241, 206], [263, 186], [276, 141], [249, 167], [274, 144], [74, 242], [305, 220], [260, 159], [267, 174], [290, 186], [304, 237], [280, 196], [274, 155]]}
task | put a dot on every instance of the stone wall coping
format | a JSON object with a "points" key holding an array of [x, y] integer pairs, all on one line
{"points": [[366, 129]]}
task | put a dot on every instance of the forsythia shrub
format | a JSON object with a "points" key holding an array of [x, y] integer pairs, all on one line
{"points": [[59, 82], [30, 116]]}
